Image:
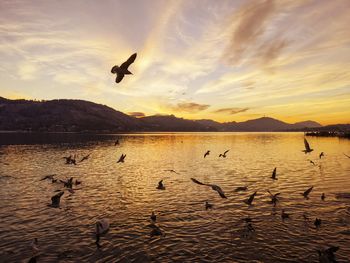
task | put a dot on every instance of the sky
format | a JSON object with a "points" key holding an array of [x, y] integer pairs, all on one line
{"points": [[224, 60]]}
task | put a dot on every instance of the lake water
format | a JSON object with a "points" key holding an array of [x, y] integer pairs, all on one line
{"points": [[126, 194]]}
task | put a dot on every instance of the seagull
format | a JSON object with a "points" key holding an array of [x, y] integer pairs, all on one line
{"points": [[317, 222], [160, 185], [327, 255], [70, 160], [224, 154], [241, 188], [68, 183], [50, 176], [307, 147], [116, 143], [213, 186], [153, 217], [274, 198], [121, 158], [123, 69], [312, 162], [323, 197], [274, 173], [56, 199], [346, 155], [249, 201], [206, 154], [171, 170], [321, 155], [208, 205], [307, 192], [284, 215], [85, 158], [101, 228]]}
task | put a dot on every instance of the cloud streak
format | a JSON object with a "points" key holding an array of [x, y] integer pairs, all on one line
{"points": [[231, 111]]}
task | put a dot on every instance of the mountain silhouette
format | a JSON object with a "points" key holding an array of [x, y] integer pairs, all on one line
{"points": [[83, 116]]}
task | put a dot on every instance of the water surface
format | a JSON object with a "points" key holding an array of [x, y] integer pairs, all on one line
{"points": [[126, 194]]}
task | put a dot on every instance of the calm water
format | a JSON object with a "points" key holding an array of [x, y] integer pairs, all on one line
{"points": [[126, 195]]}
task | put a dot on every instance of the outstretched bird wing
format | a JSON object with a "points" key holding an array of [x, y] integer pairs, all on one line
{"points": [[307, 146], [219, 190], [226, 152], [130, 60], [307, 192], [119, 77], [346, 155], [196, 181]]}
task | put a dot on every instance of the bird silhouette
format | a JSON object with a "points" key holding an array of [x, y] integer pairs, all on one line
{"points": [[55, 200], [307, 147], [346, 155], [307, 192], [327, 255], [116, 143], [160, 185], [101, 228], [250, 200], [312, 162], [321, 155], [171, 170], [85, 157], [153, 217], [274, 174], [213, 186], [323, 197], [317, 222], [123, 69], [224, 154], [50, 176], [121, 158], [208, 205], [206, 154], [274, 198]]}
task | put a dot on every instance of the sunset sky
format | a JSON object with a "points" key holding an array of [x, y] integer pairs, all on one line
{"points": [[225, 60]]}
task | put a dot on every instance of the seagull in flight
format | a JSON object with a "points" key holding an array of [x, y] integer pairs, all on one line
{"points": [[50, 176], [274, 173], [121, 158], [171, 170], [206, 154], [312, 162], [85, 157], [327, 255], [55, 200], [307, 192], [307, 147], [250, 200], [213, 186], [224, 154], [160, 185], [123, 69], [274, 198]]}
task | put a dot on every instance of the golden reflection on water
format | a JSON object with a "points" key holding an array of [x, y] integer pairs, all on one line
{"points": [[126, 194]]}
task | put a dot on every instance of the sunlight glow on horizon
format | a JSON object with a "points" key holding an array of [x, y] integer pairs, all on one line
{"points": [[221, 60]]}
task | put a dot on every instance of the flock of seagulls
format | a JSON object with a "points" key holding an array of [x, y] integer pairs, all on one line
{"points": [[102, 226]]}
